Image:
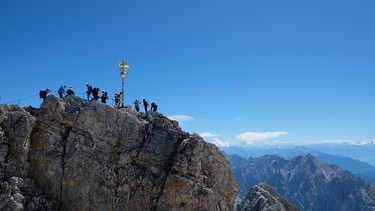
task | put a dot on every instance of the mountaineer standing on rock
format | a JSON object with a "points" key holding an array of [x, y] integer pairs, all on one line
{"points": [[95, 93], [62, 91], [89, 91], [43, 93], [70, 91], [136, 105], [117, 100], [145, 105], [154, 107], [104, 96]]}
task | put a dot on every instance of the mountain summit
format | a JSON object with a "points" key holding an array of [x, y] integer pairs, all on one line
{"points": [[306, 182], [262, 197], [73, 154]]}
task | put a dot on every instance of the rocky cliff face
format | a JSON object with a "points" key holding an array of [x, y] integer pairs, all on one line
{"points": [[72, 154], [306, 182], [263, 197]]}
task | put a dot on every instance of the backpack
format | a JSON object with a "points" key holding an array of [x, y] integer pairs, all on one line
{"points": [[95, 91]]}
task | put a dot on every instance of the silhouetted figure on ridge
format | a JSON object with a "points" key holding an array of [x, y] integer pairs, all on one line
{"points": [[145, 105], [95, 93], [104, 97], [89, 91], [70, 91], [136, 105], [154, 107], [43, 93]]}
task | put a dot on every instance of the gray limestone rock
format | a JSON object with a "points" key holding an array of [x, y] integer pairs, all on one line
{"points": [[85, 155], [263, 197]]}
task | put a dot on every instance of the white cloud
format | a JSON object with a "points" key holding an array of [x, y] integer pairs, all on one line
{"points": [[181, 118], [221, 143], [212, 138], [208, 135], [256, 137]]}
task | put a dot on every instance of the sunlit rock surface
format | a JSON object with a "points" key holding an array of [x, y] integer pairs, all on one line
{"points": [[73, 154]]}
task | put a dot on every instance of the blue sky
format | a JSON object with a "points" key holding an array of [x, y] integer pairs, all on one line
{"points": [[238, 72]]}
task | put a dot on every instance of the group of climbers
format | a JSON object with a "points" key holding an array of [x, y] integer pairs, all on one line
{"points": [[95, 96], [62, 91], [154, 107], [95, 93]]}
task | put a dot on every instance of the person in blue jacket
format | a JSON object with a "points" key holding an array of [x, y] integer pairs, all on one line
{"points": [[61, 91]]}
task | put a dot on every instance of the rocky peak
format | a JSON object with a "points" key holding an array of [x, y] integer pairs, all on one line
{"points": [[307, 183], [85, 155], [262, 197]]}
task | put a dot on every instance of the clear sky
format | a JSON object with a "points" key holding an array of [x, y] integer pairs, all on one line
{"points": [[237, 72]]}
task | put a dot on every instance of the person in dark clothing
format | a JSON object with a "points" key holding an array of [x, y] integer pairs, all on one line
{"points": [[70, 91], [136, 105], [95, 93], [61, 91], [89, 91], [154, 107], [145, 105], [43, 93], [104, 97]]}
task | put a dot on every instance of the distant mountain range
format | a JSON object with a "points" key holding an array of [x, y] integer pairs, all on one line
{"points": [[305, 182], [344, 155], [357, 167]]}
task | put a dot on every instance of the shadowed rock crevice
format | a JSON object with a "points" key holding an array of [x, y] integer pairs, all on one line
{"points": [[63, 160]]}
